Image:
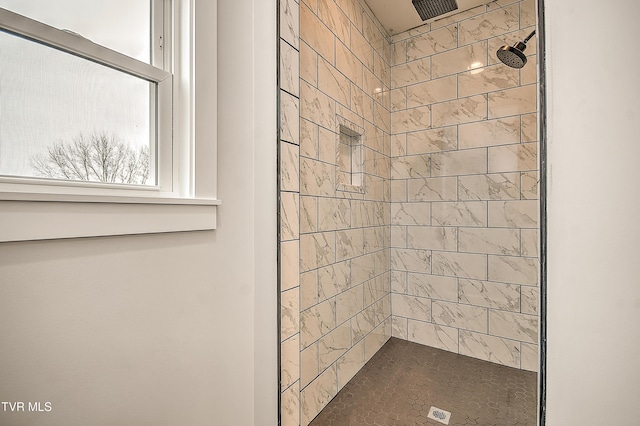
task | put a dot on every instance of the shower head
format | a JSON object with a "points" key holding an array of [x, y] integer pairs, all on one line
{"points": [[513, 56]]}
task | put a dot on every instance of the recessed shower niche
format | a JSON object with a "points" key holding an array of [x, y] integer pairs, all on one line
{"points": [[349, 157]]}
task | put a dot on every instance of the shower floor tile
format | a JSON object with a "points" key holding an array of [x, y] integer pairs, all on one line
{"points": [[404, 380]]}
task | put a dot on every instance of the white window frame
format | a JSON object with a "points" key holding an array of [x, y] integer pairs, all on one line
{"points": [[185, 197]]}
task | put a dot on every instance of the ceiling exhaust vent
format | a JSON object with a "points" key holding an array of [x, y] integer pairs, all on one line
{"points": [[429, 9]]}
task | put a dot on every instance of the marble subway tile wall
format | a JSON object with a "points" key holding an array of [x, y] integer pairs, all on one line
{"points": [[441, 230], [289, 83], [344, 222], [464, 190]]}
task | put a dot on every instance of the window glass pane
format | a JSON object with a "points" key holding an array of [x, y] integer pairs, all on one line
{"points": [[121, 25], [65, 117]]}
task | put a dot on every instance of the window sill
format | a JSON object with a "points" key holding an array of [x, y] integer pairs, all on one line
{"points": [[29, 216]]}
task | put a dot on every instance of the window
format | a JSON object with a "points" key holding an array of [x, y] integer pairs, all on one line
{"points": [[77, 110], [97, 105]]}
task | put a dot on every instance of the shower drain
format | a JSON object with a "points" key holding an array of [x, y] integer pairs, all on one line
{"points": [[439, 415]]}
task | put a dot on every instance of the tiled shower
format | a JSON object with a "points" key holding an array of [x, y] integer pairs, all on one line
{"points": [[423, 225]]}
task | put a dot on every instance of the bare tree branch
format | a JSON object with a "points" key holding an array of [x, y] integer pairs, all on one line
{"points": [[98, 158]]}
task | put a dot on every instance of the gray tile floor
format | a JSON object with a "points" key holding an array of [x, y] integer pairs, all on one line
{"points": [[403, 380]]}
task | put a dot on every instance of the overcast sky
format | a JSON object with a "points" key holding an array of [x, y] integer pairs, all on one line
{"points": [[121, 25], [48, 96]]}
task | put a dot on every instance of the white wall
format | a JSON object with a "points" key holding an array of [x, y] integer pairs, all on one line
{"points": [[593, 212], [170, 329]]}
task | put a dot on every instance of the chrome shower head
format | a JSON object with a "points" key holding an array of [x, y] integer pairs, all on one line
{"points": [[513, 56]]}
